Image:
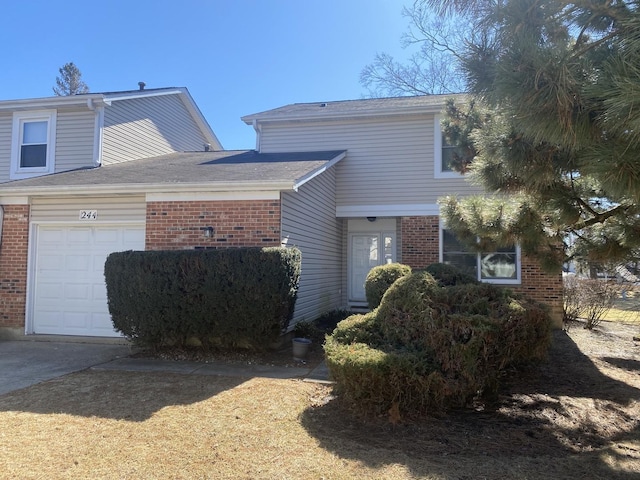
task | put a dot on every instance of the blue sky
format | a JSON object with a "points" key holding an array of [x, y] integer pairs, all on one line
{"points": [[236, 57]]}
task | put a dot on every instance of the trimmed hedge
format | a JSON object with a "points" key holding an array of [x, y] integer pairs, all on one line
{"points": [[228, 298], [429, 348], [380, 278], [448, 275]]}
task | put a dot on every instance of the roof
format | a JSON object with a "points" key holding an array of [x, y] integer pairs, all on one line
{"points": [[92, 100], [355, 108], [186, 171]]}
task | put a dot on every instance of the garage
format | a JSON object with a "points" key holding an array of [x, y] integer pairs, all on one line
{"points": [[68, 289]]}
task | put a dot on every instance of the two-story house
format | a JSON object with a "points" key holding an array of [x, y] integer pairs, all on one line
{"points": [[353, 184]]}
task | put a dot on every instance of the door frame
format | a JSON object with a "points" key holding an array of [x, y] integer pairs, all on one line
{"points": [[380, 226]]}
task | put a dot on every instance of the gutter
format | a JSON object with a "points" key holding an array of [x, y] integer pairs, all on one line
{"points": [[1, 219], [59, 190]]}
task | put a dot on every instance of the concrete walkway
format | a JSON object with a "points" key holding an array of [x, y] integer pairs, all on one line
{"points": [[24, 363]]}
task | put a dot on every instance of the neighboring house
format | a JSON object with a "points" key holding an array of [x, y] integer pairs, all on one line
{"points": [[353, 184]]}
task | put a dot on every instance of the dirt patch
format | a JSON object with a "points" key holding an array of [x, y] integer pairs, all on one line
{"points": [[576, 416]]}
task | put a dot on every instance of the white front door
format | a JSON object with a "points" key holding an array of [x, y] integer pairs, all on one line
{"points": [[69, 292], [367, 251]]}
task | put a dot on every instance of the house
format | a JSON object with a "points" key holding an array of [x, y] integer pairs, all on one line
{"points": [[353, 184]]}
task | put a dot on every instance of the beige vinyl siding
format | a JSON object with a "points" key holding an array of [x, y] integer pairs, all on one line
{"points": [[148, 127], [5, 146], [389, 161], [120, 209], [309, 222], [75, 134]]}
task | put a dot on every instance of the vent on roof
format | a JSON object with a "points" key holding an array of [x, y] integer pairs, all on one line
{"points": [[142, 85], [322, 105]]}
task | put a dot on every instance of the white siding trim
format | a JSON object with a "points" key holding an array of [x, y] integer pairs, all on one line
{"points": [[408, 210], [213, 196], [302, 180], [14, 200], [97, 139]]}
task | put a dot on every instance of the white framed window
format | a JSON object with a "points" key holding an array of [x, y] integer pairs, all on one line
{"points": [[33, 144], [501, 266], [442, 154]]}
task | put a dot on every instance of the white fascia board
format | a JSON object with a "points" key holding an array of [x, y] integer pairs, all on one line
{"points": [[53, 102], [114, 97], [188, 102], [343, 115], [304, 179], [206, 196], [201, 120], [93, 190], [402, 210], [14, 200]]}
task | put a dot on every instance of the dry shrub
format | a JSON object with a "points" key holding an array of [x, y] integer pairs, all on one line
{"points": [[587, 298], [429, 348], [596, 299]]}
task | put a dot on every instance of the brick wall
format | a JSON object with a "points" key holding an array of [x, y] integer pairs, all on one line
{"points": [[420, 238], [13, 266], [543, 287], [420, 248], [245, 223]]}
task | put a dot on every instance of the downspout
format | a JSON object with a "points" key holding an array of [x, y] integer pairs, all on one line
{"points": [[258, 130], [97, 136]]}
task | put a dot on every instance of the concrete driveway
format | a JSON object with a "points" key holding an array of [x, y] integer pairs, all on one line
{"points": [[24, 363]]}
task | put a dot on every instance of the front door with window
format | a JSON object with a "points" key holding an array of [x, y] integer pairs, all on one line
{"points": [[367, 250]]}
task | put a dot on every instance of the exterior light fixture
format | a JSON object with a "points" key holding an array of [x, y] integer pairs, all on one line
{"points": [[207, 231], [371, 219]]}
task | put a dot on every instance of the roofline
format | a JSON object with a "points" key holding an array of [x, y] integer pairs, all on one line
{"points": [[90, 189], [373, 112], [49, 102], [92, 100], [305, 178]]}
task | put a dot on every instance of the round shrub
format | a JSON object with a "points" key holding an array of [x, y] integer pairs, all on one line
{"points": [[448, 275], [380, 278], [429, 348]]}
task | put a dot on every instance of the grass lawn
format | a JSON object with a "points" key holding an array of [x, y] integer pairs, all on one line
{"points": [[576, 416], [626, 309]]}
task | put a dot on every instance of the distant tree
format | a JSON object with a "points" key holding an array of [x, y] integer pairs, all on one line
{"points": [[434, 67], [70, 81]]}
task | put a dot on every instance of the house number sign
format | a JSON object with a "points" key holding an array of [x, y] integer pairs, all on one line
{"points": [[88, 215]]}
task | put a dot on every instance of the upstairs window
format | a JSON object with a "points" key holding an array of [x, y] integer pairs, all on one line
{"points": [[443, 154], [501, 266], [33, 144]]}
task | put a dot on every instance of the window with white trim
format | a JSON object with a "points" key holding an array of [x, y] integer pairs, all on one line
{"points": [[33, 144], [443, 154], [501, 266]]}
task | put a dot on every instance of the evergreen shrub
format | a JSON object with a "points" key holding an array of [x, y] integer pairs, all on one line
{"points": [[380, 278], [228, 298], [448, 275], [429, 348]]}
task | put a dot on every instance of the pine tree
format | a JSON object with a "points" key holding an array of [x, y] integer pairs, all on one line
{"points": [[70, 81], [554, 125]]}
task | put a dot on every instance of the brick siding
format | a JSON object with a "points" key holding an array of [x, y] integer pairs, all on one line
{"points": [[243, 223], [420, 238], [13, 266]]}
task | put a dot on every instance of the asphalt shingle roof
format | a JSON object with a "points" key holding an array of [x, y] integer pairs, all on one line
{"points": [[368, 106], [243, 166]]}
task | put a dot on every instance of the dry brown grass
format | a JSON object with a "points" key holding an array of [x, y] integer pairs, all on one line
{"points": [[576, 417]]}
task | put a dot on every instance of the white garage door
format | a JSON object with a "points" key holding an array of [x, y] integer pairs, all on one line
{"points": [[69, 291]]}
